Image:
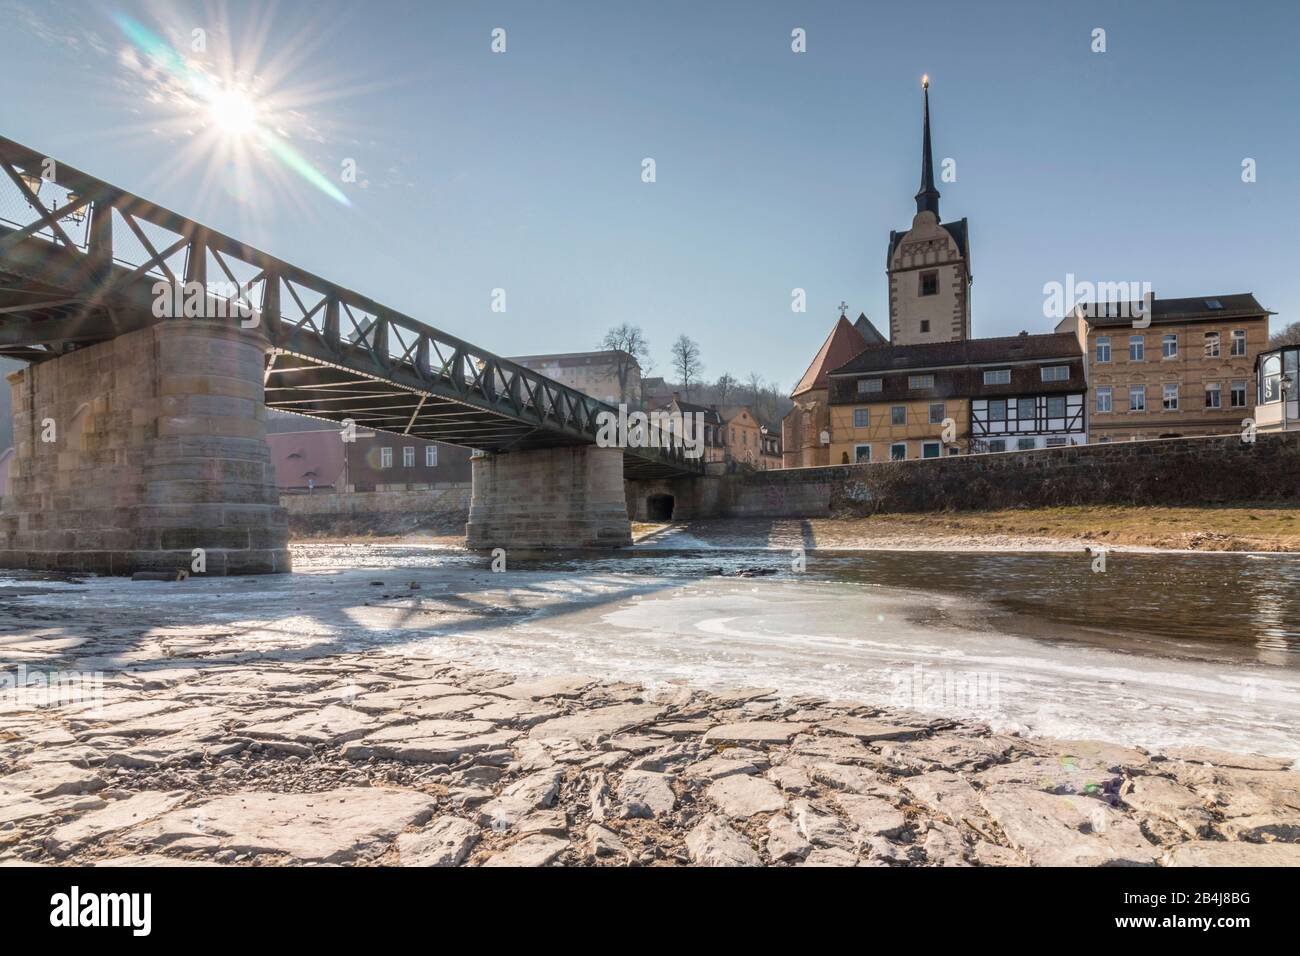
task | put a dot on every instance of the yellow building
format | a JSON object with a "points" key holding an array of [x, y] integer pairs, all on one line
{"points": [[895, 430]]}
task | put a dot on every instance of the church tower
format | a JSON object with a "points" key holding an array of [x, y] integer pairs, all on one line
{"points": [[929, 265]]}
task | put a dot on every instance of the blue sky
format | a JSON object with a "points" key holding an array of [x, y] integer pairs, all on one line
{"points": [[775, 170]]}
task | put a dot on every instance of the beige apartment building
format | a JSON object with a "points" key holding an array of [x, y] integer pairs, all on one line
{"points": [[612, 375], [1187, 368]]}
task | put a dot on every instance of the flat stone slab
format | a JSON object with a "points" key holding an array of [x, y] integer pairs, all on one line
{"points": [[430, 741], [865, 729], [1061, 830], [396, 698], [755, 732], [52, 780], [598, 722], [1221, 853], [949, 796], [712, 842], [330, 724], [118, 815], [534, 792], [540, 689], [872, 816], [646, 794], [447, 841], [742, 796], [1221, 758], [333, 826], [537, 850]]}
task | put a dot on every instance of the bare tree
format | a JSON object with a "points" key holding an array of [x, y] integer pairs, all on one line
{"points": [[724, 386], [630, 343], [1288, 336], [755, 383], [686, 362]]}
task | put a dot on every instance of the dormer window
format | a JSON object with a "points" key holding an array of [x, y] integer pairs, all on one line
{"points": [[868, 385]]}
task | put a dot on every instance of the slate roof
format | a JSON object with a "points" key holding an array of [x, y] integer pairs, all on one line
{"points": [[1197, 309], [1010, 348]]}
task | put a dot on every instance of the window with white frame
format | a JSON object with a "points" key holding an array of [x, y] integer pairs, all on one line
{"points": [[861, 417], [868, 385], [862, 454], [1238, 394], [408, 457], [1137, 398], [898, 452], [1055, 406], [1026, 409], [1211, 344], [1170, 399], [920, 381], [1213, 395], [1103, 349], [385, 458], [997, 376], [898, 415], [1026, 444], [1056, 373], [1104, 399], [1137, 348], [931, 449], [998, 410], [1238, 341], [1169, 346], [431, 456]]}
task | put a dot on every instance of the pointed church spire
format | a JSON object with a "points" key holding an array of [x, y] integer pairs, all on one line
{"points": [[928, 197]]}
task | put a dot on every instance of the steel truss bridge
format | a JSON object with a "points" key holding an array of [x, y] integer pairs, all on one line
{"points": [[81, 262]]}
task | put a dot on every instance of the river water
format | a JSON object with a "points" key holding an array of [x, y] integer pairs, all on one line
{"points": [[1158, 650]]}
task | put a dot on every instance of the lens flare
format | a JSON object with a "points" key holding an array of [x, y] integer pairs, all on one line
{"points": [[229, 109]]}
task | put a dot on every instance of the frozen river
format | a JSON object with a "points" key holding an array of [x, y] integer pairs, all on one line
{"points": [[1157, 650]]}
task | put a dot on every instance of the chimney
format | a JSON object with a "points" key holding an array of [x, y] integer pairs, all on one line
{"points": [[677, 396]]}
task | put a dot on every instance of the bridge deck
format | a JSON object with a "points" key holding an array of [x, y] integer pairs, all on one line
{"points": [[82, 261]]}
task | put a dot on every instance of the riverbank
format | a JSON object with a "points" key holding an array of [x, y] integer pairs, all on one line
{"points": [[347, 716], [1242, 528], [1221, 528]]}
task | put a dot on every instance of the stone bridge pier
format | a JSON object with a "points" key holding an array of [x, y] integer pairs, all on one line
{"points": [[548, 498], [132, 453]]}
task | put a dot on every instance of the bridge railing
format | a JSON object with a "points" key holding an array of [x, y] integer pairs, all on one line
{"points": [[123, 240]]}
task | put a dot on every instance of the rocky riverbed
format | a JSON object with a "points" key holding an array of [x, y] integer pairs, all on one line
{"points": [[227, 757]]}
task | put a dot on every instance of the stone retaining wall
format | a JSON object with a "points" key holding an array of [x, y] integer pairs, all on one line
{"points": [[1172, 471], [451, 498]]}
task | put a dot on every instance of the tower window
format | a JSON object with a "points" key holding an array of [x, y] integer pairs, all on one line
{"points": [[925, 325], [930, 283]]}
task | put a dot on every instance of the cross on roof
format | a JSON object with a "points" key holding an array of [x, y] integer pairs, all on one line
{"points": [[844, 307]]}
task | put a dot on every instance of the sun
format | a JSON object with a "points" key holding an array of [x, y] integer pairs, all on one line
{"points": [[233, 112]]}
